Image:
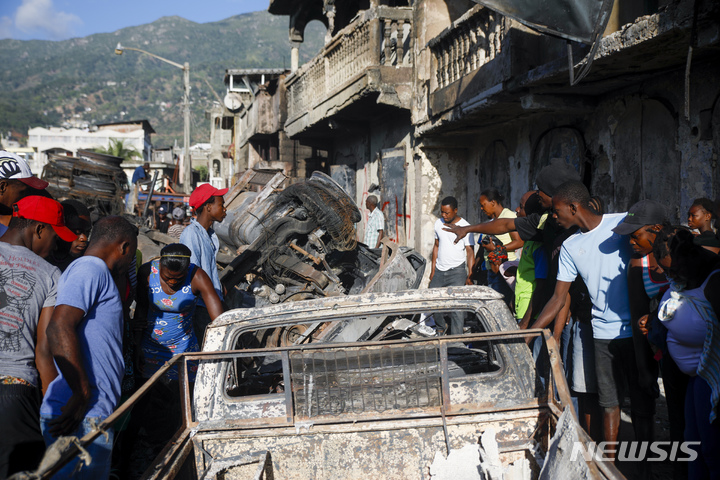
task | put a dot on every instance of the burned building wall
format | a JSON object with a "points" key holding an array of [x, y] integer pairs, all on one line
{"points": [[364, 148], [635, 144]]}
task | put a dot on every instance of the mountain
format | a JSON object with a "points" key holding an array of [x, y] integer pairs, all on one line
{"points": [[46, 83]]}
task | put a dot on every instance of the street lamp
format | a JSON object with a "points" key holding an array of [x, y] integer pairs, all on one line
{"points": [[187, 176]]}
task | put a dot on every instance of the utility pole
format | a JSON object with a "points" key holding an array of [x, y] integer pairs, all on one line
{"points": [[187, 162], [187, 178]]}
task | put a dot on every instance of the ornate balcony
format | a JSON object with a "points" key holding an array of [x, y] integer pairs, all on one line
{"points": [[371, 55], [472, 41]]}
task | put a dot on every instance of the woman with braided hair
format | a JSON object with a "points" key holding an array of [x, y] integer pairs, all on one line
{"points": [[168, 290], [491, 203], [164, 315]]}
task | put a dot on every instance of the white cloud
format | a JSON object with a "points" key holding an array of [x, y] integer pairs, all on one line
{"points": [[40, 16], [6, 27]]}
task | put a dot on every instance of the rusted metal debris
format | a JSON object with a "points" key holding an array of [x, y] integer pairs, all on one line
{"points": [[296, 242], [94, 179]]}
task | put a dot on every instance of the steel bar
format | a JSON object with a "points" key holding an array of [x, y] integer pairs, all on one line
{"points": [[289, 410]]}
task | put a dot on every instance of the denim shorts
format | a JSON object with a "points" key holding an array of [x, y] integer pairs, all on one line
{"points": [[614, 365], [100, 451], [582, 368]]}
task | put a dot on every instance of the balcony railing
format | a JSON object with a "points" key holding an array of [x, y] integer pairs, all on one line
{"points": [[380, 37], [471, 42]]}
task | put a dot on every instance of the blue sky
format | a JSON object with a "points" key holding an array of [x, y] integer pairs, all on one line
{"points": [[63, 19]]}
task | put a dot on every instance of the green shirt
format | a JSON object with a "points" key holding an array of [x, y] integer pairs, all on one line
{"points": [[525, 277]]}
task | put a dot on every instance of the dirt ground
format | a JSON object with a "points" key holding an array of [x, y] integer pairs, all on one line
{"points": [[666, 470]]}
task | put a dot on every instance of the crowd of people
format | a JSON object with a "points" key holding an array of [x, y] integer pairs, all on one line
{"points": [[628, 296], [70, 349]]}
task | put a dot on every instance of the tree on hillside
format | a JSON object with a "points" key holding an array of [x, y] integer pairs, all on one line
{"points": [[117, 148]]}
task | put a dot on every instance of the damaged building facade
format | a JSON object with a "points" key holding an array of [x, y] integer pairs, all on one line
{"points": [[257, 97], [415, 101]]}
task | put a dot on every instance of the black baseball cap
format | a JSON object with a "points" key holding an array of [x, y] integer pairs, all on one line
{"points": [[644, 212], [555, 174]]}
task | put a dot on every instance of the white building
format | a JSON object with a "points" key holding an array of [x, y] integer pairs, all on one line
{"points": [[61, 141]]}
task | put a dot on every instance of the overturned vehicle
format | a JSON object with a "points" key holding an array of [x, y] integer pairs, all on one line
{"points": [[300, 243]]}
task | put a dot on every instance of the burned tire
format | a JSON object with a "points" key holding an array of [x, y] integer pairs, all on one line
{"points": [[321, 181], [333, 210]]}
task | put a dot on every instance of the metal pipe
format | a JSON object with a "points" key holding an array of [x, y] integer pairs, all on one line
{"points": [[151, 189]]}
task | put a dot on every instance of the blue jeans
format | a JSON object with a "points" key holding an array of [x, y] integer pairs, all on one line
{"points": [[497, 282], [455, 277], [100, 451]]}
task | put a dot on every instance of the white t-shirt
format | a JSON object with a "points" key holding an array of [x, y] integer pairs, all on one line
{"points": [[451, 254], [600, 257]]}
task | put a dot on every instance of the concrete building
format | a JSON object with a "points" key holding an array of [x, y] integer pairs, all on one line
{"points": [[258, 100], [62, 141], [352, 103], [220, 151], [449, 98]]}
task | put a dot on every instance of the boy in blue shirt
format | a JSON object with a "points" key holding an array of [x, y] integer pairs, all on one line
{"points": [[203, 243]]}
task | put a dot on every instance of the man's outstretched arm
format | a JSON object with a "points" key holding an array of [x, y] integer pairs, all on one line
{"points": [[65, 347], [554, 305], [496, 227]]}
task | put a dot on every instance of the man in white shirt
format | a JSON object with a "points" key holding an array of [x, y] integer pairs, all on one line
{"points": [[451, 262], [375, 225]]}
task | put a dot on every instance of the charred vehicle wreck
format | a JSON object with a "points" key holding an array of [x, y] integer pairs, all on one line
{"points": [[300, 243], [360, 397]]}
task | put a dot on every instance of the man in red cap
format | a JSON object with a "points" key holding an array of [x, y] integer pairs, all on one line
{"points": [[28, 289], [202, 241]]}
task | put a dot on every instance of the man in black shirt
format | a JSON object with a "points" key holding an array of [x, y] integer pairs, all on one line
{"points": [[162, 222]]}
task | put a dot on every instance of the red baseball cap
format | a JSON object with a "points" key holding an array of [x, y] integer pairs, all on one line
{"points": [[45, 210], [203, 193]]}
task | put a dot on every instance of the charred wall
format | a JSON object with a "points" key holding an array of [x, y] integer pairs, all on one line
{"points": [[635, 144]]}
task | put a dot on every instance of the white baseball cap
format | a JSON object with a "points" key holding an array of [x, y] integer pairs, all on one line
{"points": [[13, 167]]}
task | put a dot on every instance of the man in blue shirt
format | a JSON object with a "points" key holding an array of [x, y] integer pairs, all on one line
{"points": [[141, 172], [203, 242], [85, 339], [600, 256]]}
